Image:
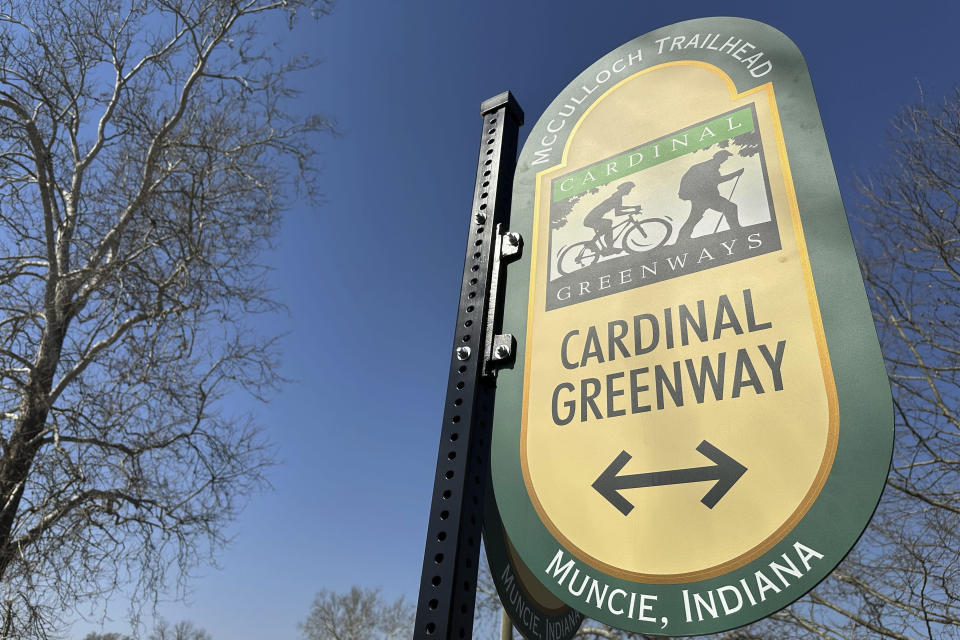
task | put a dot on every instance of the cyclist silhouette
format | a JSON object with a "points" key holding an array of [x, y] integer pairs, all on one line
{"points": [[700, 185], [603, 227]]}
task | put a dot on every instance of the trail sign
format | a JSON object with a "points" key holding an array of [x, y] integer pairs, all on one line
{"points": [[533, 610], [698, 425]]}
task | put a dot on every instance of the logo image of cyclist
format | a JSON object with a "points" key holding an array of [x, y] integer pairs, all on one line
{"points": [[700, 185], [602, 226]]}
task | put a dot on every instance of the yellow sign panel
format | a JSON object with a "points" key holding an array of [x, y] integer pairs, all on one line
{"points": [[679, 415]]}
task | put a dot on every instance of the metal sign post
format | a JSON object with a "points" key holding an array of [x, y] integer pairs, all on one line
{"points": [[449, 579]]}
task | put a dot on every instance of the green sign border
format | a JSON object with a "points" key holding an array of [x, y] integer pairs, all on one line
{"points": [[530, 617], [836, 520]]}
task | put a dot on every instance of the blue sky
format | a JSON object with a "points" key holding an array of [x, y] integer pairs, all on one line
{"points": [[372, 277]]}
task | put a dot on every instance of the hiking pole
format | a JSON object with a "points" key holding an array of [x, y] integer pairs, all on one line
{"points": [[735, 183]]}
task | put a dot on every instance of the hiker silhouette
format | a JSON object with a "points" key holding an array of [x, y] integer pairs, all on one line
{"points": [[700, 185], [602, 227]]}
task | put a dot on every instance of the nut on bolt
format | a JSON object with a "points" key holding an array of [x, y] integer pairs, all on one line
{"points": [[513, 238], [462, 353], [503, 351], [481, 217]]}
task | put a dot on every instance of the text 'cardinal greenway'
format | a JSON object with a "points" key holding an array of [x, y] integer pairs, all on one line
{"points": [[755, 368]]}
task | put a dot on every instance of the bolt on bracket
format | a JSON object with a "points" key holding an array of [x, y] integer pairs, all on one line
{"points": [[503, 346]]}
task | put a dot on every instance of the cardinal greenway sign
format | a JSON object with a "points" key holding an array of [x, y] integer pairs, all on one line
{"points": [[699, 425], [534, 611]]}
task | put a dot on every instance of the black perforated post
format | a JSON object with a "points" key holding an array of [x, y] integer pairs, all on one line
{"points": [[449, 580]]}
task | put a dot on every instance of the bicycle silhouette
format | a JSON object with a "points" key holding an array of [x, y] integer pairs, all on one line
{"points": [[634, 235]]}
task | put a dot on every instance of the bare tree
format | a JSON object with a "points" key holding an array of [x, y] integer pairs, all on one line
{"points": [[147, 150], [183, 630], [903, 579], [357, 615], [162, 630]]}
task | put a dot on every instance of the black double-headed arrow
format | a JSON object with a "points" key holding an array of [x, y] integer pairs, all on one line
{"points": [[726, 471]]}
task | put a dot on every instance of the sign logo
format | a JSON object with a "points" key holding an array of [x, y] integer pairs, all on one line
{"points": [[666, 208], [700, 426]]}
